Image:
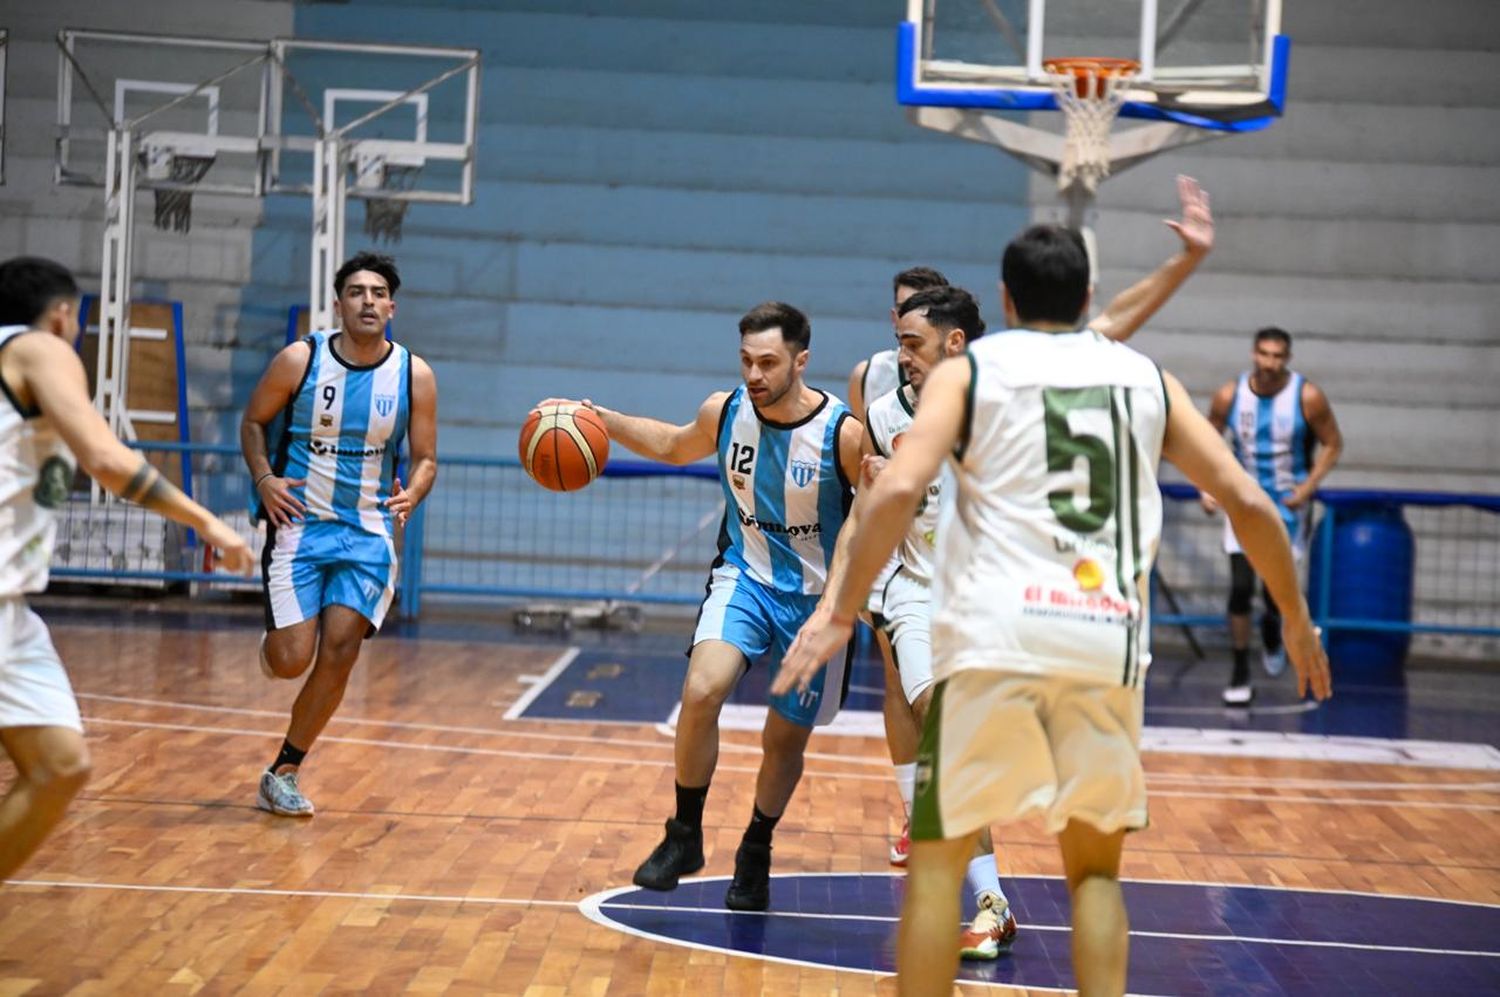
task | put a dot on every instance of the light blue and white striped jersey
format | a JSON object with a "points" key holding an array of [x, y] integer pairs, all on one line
{"points": [[785, 495], [343, 433], [1271, 439]]}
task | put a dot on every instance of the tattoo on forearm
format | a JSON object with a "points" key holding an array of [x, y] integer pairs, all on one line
{"points": [[150, 490], [136, 487]]}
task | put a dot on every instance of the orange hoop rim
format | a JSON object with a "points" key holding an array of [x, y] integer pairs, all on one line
{"points": [[1082, 67]]}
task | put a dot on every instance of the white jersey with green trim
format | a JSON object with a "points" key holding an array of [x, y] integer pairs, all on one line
{"points": [[1045, 556], [36, 475], [888, 419], [882, 374]]}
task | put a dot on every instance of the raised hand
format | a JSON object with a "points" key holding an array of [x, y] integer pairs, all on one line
{"points": [[1196, 228]]}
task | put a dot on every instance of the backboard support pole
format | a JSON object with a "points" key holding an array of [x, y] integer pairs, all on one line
{"points": [[329, 206]]}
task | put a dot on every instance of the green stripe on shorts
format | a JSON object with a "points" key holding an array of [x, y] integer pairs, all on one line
{"points": [[926, 814]]}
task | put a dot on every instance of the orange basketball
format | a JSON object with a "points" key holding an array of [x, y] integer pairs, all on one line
{"points": [[563, 446]]}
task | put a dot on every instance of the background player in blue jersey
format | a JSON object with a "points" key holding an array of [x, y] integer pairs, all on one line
{"points": [[786, 454], [347, 398], [1284, 434]]}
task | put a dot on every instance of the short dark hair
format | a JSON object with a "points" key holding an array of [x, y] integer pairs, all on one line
{"points": [[918, 279], [29, 285], [1046, 271], [796, 331], [1276, 333], [373, 262], [948, 308]]}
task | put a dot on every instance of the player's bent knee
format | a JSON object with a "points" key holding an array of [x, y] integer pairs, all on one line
{"points": [[62, 774], [702, 693], [288, 662]]}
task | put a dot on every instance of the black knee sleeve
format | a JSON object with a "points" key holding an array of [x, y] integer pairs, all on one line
{"points": [[1241, 585]]}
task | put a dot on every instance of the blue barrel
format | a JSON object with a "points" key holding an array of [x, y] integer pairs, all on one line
{"points": [[1372, 567]]}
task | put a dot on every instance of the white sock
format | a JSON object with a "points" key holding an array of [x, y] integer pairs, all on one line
{"points": [[983, 877], [906, 783]]}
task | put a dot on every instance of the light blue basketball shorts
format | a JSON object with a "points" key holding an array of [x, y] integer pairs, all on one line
{"points": [[759, 620], [315, 563]]}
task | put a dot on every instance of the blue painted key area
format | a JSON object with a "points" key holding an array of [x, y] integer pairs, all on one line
{"points": [[1186, 938]]}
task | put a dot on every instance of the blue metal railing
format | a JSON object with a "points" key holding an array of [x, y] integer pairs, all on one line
{"points": [[645, 533]]}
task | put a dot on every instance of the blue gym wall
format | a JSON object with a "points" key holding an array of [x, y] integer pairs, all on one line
{"points": [[643, 179]]}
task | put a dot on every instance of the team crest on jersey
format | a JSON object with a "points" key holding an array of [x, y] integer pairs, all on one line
{"points": [[803, 472], [52, 483], [739, 481], [384, 404], [325, 421]]}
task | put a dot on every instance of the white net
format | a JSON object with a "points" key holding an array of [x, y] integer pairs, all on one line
{"points": [[174, 207], [384, 215], [1089, 92]]}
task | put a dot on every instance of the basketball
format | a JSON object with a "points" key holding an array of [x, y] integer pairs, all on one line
{"points": [[563, 446]]}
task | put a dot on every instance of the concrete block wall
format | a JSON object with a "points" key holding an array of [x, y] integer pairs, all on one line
{"points": [[208, 268], [650, 169]]}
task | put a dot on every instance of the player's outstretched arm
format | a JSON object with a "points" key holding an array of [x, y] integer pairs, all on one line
{"points": [[1132, 307], [274, 392], [422, 438], [1218, 418], [53, 377], [1319, 416], [662, 441], [889, 504], [1199, 452]]}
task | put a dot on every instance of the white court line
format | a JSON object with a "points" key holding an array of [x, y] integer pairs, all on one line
{"points": [[1032, 926], [1264, 744], [813, 773], [1286, 709], [1329, 801], [463, 729], [253, 892], [540, 685], [1250, 781], [454, 749], [1190, 777]]}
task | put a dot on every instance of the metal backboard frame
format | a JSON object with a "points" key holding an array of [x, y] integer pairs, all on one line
{"points": [[991, 58], [4, 45], [132, 107]]}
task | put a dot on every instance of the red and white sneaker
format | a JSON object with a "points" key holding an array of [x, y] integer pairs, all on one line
{"points": [[991, 932], [901, 847]]}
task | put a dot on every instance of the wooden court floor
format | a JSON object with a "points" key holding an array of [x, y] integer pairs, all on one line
{"points": [[452, 847]]}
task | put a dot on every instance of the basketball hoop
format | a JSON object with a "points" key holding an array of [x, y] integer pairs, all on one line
{"points": [[384, 215], [174, 206], [1089, 91]]}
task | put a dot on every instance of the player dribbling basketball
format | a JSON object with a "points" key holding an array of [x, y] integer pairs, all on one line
{"points": [[787, 454]]}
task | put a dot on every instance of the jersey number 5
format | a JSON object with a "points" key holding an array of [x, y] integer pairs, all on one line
{"points": [[1065, 446]]}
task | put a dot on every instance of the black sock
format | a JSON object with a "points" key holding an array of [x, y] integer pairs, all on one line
{"points": [[1270, 633], [1241, 674], [761, 826], [289, 756], [690, 805]]}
